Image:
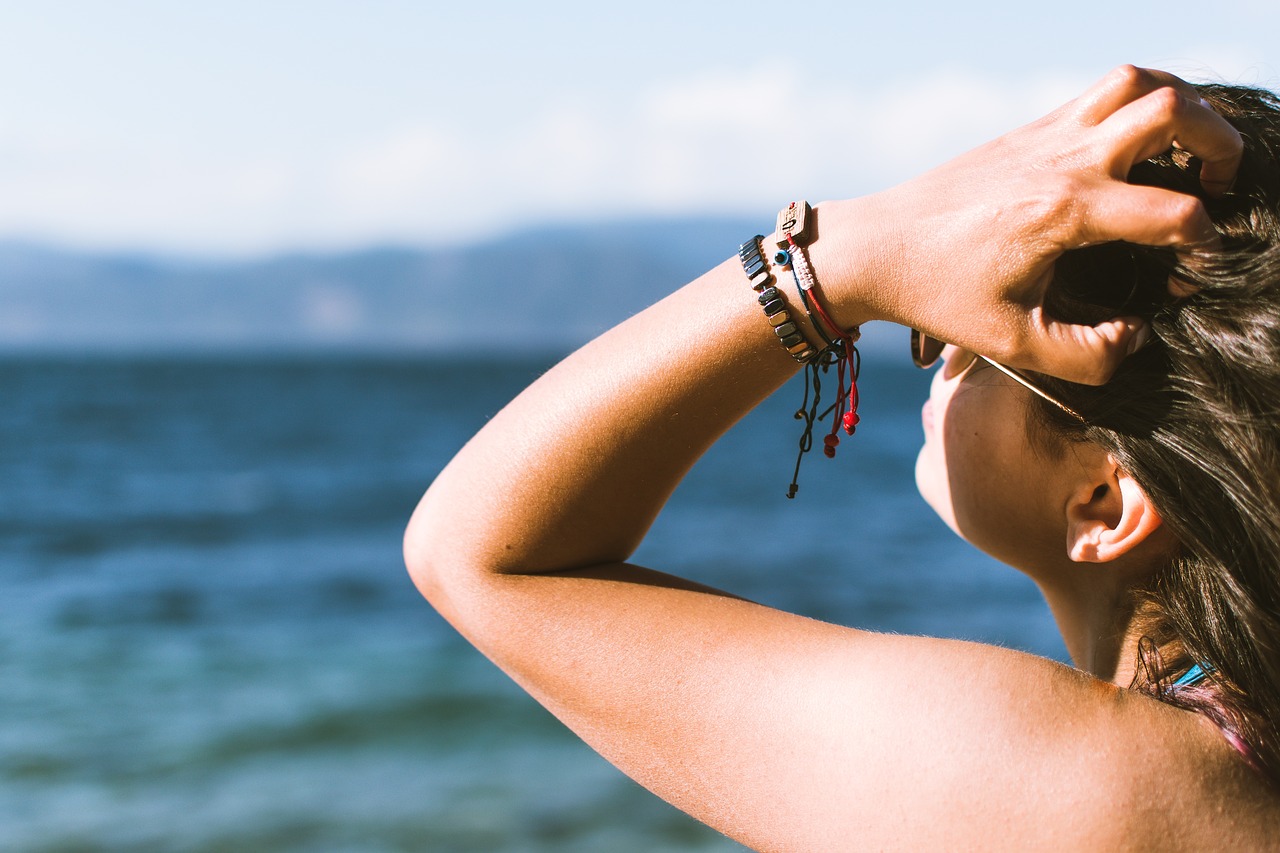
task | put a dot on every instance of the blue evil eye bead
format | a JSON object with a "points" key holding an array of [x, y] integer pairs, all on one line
{"points": [[782, 258]]}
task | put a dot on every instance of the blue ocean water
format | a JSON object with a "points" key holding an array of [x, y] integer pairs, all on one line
{"points": [[209, 642]]}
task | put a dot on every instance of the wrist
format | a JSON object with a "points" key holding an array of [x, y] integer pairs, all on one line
{"points": [[845, 250]]}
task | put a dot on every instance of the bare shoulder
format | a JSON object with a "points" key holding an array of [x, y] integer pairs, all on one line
{"points": [[1046, 755], [1186, 788]]}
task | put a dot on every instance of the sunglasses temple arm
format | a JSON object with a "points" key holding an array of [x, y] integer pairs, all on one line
{"points": [[1030, 386]]}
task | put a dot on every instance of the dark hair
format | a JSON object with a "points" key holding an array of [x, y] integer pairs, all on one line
{"points": [[1194, 417]]}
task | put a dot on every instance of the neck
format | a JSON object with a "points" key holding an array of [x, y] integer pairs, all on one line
{"points": [[1098, 616]]}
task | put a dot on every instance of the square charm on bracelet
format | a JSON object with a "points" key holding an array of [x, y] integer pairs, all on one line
{"points": [[792, 222]]}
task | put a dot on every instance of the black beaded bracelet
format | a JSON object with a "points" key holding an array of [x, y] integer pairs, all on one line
{"points": [[775, 307]]}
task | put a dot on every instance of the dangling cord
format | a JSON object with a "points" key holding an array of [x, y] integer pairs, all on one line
{"points": [[832, 440], [847, 399], [848, 418], [844, 346], [809, 414]]}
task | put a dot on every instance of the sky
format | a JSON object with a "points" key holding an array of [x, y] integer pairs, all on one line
{"points": [[250, 128]]}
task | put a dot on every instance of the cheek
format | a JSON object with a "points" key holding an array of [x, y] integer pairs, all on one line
{"points": [[931, 480], [970, 474], [952, 456], [931, 462], [974, 471], [979, 482]]}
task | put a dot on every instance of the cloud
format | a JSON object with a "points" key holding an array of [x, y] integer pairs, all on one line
{"points": [[722, 141], [405, 165], [100, 192]]}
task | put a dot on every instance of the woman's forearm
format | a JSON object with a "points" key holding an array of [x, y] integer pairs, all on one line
{"points": [[573, 472]]}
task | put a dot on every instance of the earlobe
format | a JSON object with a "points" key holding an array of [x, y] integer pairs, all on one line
{"points": [[1109, 519]]}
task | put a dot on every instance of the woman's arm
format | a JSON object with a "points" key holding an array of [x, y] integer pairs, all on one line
{"points": [[781, 731]]}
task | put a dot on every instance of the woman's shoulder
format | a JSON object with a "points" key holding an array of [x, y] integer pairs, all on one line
{"points": [[1189, 788], [1099, 764]]}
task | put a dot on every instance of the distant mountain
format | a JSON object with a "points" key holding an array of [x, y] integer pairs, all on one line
{"points": [[547, 289]]}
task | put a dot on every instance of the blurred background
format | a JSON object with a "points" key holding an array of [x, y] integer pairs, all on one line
{"points": [[265, 266]]}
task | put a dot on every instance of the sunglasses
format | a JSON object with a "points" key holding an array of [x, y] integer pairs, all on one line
{"points": [[926, 350]]}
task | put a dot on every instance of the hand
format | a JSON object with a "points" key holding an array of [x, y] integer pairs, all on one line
{"points": [[966, 251]]}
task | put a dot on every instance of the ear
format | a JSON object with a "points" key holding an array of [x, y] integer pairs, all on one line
{"points": [[1109, 517]]}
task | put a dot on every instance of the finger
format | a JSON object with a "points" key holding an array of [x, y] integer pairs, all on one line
{"points": [[1180, 288], [1150, 216], [1086, 354], [1197, 261], [1153, 217], [1124, 85], [1218, 175], [1165, 118]]}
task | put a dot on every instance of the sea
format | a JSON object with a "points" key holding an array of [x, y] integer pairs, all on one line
{"points": [[209, 641]]}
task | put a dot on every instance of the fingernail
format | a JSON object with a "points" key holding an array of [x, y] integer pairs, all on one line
{"points": [[1139, 339]]}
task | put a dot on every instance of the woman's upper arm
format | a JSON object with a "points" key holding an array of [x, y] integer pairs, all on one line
{"points": [[789, 733]]}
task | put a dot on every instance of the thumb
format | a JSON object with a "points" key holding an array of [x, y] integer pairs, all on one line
{"points": [[1089, 354]]}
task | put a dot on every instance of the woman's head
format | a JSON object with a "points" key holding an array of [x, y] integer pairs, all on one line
{"points": [[1045, 508], [1194, 417], [980, 473]]}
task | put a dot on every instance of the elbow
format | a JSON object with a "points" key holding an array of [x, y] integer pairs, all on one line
{"points": [[423, 558], [450, 571], [446, 562]]}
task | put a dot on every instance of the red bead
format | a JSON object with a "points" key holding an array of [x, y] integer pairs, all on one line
{"points": [[829, 445], [851, 420]]}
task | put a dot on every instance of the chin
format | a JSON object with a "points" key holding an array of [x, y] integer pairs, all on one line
{"points": [[931, 482]]}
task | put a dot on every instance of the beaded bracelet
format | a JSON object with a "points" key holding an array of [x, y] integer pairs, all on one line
{"points": [[771, 300]]}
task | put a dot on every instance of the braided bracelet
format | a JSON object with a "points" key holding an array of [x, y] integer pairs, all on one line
{"points": [[771, 300], [803, 278]]}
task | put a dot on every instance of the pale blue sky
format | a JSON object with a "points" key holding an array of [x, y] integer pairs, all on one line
{"points": [[240, 127]]}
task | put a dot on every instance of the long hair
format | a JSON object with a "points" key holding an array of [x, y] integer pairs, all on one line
{"points": [[1194, 417]]}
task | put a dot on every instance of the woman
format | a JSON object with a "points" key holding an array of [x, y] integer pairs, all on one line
{"points": [[790, 734]]}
